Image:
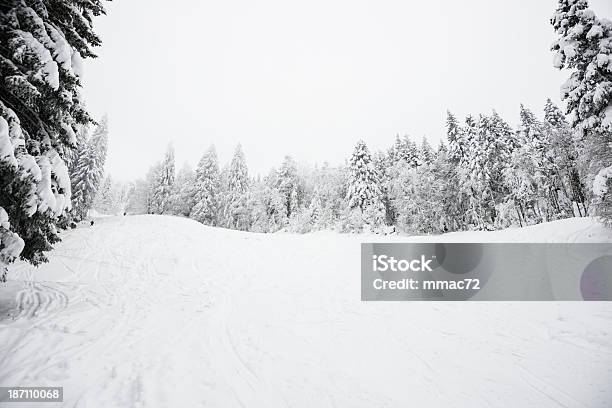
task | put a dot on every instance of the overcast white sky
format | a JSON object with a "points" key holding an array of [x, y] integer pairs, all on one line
{"points": [[310, 78]]}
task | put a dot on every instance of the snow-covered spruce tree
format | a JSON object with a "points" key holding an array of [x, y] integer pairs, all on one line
{"points": [[183, 192], [505, 142], [420, 196], [404, 150], [122, 192], [315, 209], [458, 193], [565, 159], [463, 169], [456, 139], [86, 173], [71, 157], [584, 46], [488, 154], [364, 191], [331, 187], [387, 170], [105, 201], [521, 179], [447, 191], [138, 198], [43, 43], [403, 153], [163, 184], [269, 209], [235, 200], [11, 244], [150, 181], [426, 153], [207, 189], [288, 185], [535, 140]]}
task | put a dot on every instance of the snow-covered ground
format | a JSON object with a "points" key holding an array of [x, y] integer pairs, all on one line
{"points": [[154, 311]]}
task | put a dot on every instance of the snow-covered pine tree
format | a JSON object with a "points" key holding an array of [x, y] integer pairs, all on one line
{"points": [[521, 181], [138, 198], [446, 190], [364, 190], [482, 203], [420, 198], [387, 169], [151, 180], [457, 191], [331, 186], [40, 110], [106, 201], [426, 152], [565, 158], [402, 154], [503, 143], [207, 189], [163, 185], [87, 172], [534, 139], [288, 185], [490, 147], [183, 192], [236, 214], [584, 46], [456, 139], [404, 150], [294, 203], [469, 191], [72, 156], [315, 209], [268, 205]]}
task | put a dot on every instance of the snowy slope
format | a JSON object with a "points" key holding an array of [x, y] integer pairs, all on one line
{"points": [[154, 311]]}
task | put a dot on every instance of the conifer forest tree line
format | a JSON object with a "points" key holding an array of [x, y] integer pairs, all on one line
{"points": [[486, 174]]}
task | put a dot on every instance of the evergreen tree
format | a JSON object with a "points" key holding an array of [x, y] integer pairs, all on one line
{"points": [[387, 170], [584, 46], [236, 197], [288, 185], [106, 200], [456, 140], [87, 172], [489, 152], [151, 180], [565, 160], [207, 189], [40, 111], [420, 198], [537, 147], [457, 191], [72, 156], [521, 180], [163, 184], [404, 150], [138, 198], [183, 192], [269, 210], [332, 189], [364, 190], [448, 193], [426, 152], [315, 209]]}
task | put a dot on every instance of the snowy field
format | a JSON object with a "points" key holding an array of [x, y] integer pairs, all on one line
{"points": [[154, 311]]}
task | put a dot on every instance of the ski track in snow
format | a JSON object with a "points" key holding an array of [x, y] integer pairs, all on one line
{"points": [[154, 311]]}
